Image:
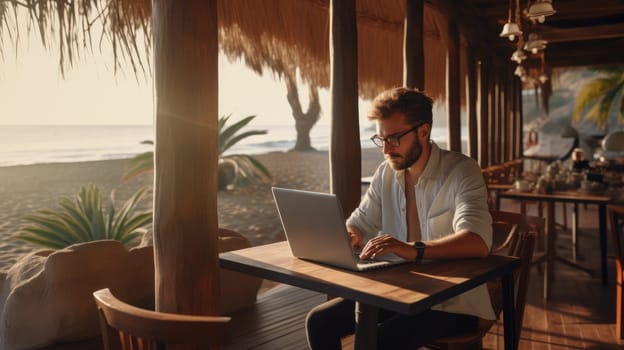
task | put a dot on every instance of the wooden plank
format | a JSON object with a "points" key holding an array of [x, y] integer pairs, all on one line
{"points": [[276, 321]]}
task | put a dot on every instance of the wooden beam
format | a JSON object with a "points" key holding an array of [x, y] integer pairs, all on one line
{"points": [[413, 45], [185, 185], [453, 88], [597, 32], [345, 162], [566, 10]]}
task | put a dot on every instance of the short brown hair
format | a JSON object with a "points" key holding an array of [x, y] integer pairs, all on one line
{"points": [[414, 104]]}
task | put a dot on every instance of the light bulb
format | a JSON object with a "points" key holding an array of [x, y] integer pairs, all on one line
{"points": [[512, 37], [534, 50], [541, 18]]}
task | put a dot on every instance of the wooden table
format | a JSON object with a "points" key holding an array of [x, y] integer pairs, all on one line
{"points": [[496, 188], [408, 289], [551, 234]]}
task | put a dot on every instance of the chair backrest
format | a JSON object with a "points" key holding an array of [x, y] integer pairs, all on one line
{"points": [[514, 235], [517, 235], [126, 327], [616, 219]]}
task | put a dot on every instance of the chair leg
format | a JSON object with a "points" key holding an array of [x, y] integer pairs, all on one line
{"points": [[619, 311], [565, 216]]}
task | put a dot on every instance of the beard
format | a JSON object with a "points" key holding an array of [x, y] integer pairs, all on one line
{"points": [[400, 161]]}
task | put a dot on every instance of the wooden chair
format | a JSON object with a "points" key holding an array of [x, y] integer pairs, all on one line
{"points": [[514, 235], [127, 327], [616, 221]]}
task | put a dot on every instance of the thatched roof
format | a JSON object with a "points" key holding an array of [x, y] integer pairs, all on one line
{"points": [[280, 35], [269, 35]]}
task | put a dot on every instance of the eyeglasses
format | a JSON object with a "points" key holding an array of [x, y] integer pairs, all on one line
{"points": [[392, 140]]}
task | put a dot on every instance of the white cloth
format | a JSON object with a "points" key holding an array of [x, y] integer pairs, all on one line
{"points": [[450, 195]]}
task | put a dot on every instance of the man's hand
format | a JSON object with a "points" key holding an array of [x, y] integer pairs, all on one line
{"points": [[384, 244], [356, 239]]}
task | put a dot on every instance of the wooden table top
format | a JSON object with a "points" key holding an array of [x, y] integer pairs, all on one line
{"points": [[407, 288], [559, 196]]}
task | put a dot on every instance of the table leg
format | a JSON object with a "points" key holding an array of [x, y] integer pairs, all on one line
{"points": [[574, 231], [551, 235], [602, 222], [509, 315], [365, 326]]}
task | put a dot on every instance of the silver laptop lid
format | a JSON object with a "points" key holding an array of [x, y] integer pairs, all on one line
{"points": [[315, 229], [315, 226]]}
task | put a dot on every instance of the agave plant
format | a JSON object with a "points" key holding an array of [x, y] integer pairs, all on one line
{"points": [[86, 218], [232, 167]]}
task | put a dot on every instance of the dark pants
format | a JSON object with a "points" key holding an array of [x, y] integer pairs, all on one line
{"points": [[330, 321]]}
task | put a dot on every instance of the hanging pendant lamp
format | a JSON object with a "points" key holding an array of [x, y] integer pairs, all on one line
{"points": [[510, 29], [541, 9]]}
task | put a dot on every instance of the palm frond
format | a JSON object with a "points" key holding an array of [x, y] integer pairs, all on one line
{"points": [[589, 95], [139, 164], [236, 138], [225, 133]]}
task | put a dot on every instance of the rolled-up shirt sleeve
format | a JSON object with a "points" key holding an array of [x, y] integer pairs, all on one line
{"points": [[471, 211]]}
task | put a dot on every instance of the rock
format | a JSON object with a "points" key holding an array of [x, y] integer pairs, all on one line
{"points": [[47, 296]]}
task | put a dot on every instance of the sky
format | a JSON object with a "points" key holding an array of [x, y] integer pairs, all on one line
{"points": [[33, 91]]}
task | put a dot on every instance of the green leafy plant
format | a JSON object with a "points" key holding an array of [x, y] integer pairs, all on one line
{"points": [[600, 96], [86, 218], [233, 168]]}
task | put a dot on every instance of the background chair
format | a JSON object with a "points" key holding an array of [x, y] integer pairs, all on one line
{"points": [[514, 235], [127, 327], [616, 221]]}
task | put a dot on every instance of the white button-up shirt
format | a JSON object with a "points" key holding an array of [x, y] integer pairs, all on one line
{"points": [[450, 196]]}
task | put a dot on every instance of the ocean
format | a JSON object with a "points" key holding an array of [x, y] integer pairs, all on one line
{"points": [[31, 144]]}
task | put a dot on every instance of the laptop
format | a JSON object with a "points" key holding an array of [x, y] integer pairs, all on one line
{"points": [[315, 229]]}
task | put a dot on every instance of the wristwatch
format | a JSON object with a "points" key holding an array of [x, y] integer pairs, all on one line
{"points": [[420, 250]]}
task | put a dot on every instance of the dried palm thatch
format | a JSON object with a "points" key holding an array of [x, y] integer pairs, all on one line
{"points": [[76, 24], [284, 35], [269, 35]]}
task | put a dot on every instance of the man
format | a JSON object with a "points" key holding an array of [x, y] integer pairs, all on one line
{"points": [[423, 203]]}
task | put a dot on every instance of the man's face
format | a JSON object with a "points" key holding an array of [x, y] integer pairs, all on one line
{"points": [[409, 149]]}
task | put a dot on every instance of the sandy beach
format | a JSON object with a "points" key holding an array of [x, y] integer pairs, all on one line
{"points": [[249, 210]]}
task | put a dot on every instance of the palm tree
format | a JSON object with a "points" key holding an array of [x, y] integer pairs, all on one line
{"points": [[232, 168], [598, 97]]}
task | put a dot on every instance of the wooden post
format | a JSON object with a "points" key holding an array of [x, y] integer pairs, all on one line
{"points": [[504, 116], [520, 146], [484, 138], [453, 88], [492, 115], [413, 45], [471, 101], [344, 148], [185, 185]]}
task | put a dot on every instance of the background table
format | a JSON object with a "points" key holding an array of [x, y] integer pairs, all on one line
{"points": [[407, 289], [551, 235]]}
